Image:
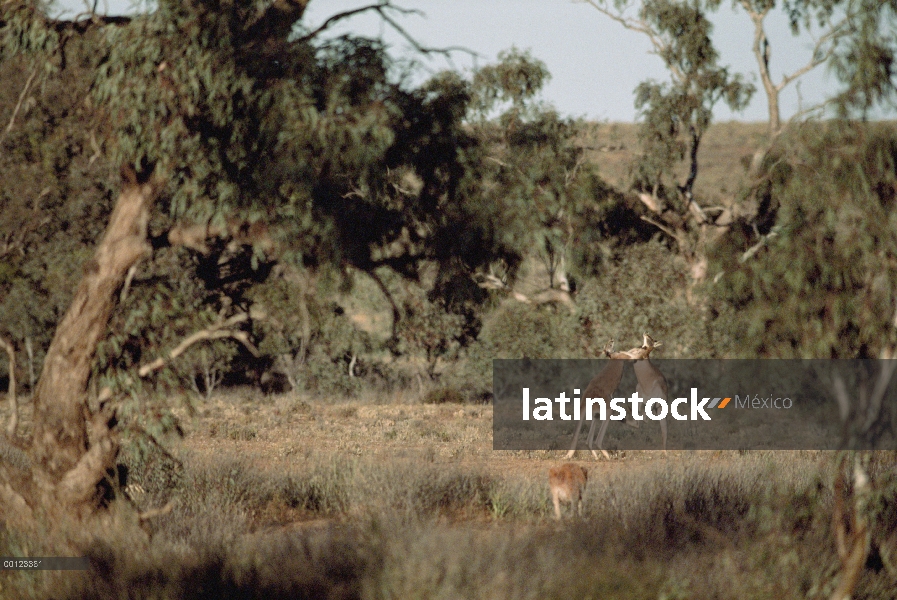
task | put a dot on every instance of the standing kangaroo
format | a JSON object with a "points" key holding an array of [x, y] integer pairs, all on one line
{"points": [[603, 385], [567, 483]]}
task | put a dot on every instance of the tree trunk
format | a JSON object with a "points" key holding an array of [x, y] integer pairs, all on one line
{"points": [[11, 391], [762, 54], [61, 415], [775, 120]]}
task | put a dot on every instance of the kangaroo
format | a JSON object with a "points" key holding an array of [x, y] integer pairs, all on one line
{"points": [[567, 483], [602, 385]]}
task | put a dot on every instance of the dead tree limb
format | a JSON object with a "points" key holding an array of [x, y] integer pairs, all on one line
{"points": [[15, 112], [220, 330]]}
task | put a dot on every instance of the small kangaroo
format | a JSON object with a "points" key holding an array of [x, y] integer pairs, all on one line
{"points": [[567, 483]]}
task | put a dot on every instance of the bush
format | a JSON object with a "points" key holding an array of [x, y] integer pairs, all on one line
{"points": [[444, 395]]}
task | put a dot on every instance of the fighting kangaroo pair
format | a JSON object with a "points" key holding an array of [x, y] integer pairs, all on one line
{"points": [[651, 384]]}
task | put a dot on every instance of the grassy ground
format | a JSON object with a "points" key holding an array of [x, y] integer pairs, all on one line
{"points": [[293, 496], [297, 497]]}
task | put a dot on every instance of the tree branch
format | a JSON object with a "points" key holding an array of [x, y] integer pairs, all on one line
{"points": [[18, 107], [218, 331], [396, 313], [640, 26], [676, 236], [878, 392], [379, 7], [818, 59], [446, 51], [750, 252]]}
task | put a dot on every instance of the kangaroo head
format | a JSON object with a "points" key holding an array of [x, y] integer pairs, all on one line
{"points": [[651, 343], [609, 347]]}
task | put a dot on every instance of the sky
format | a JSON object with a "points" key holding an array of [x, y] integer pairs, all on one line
{"points": [[595, 63]]}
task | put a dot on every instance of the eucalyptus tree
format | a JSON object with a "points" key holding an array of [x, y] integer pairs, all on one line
{"points": [[675, 116], [552, 200], [243, 142], [854, 39]]}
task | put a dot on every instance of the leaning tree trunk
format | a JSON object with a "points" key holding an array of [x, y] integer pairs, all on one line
{"points": [[69, 463], [11, 391]]}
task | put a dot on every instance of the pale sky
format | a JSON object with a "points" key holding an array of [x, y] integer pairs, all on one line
{"points": [[595, 63]]}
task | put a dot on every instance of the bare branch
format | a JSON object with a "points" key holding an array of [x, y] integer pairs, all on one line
{"points": [[379, 7], [651, 201], [97, 151], [878, 392], [841, 397], [382, 9], [676, 236], [570, 176], [127, 285], [218, 331], [18, 107], [640, 26], [155, 512], [446, 51], [764, 240], [396, 313]]}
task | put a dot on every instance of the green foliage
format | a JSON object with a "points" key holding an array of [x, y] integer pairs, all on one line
{"points": [[308, 138], [676, 114], [535, 179], [866, 63], [822, 283], [515, 79], [319, 142], [645, 289], [428, 329], [165, 303], [516, 330], [54, 196]]}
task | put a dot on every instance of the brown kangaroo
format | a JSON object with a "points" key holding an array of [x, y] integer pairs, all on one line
{"points": [[567, 483]]}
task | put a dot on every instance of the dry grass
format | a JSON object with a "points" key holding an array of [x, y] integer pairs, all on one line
{"points": [[297, 497]]}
